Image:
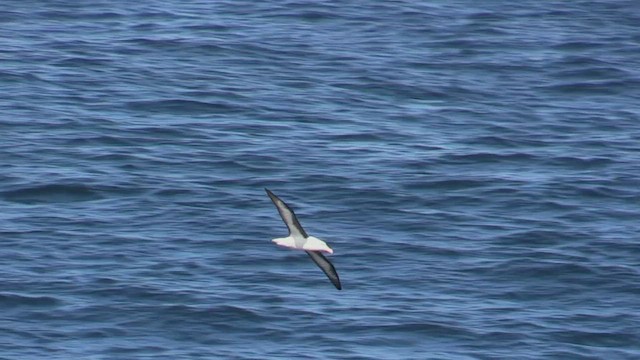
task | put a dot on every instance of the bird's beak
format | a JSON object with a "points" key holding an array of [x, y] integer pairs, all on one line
{"points": [[329, 250]]}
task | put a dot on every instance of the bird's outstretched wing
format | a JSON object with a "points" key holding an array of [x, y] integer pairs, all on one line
{"points": [[326, 266], [288, 216]]}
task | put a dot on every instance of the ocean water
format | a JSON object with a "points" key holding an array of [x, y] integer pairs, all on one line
{"points": [[474, 165]]}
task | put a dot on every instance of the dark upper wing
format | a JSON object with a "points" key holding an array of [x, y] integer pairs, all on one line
{"points": [[326, 266], [288, 216]]}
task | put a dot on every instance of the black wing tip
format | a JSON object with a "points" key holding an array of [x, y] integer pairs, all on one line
{"points": [[337, 282], [332, 274], [270, 193]]}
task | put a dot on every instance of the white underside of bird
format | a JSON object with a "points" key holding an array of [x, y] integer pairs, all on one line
{"points": [[311, 243]]}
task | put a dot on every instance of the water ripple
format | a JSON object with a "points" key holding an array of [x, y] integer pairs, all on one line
{"points": [[474, 167]]}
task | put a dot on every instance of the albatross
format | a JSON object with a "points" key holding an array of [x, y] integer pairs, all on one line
{"points": [[299, 240]]}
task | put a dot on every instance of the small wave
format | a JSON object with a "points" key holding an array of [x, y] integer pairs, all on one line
{"points": [[488, 157], [504, 141], [534, 268], [357, 137], [431, 329], [56, 193], [12, 300], [594, 338], [592, 72], [227, 317], [590, 87], [77, 62], [100, 140], [582, 162], [579, 45], [156, 43], [8, 76], [173, 192], [579, 61], [181, 107], [450, 184]]}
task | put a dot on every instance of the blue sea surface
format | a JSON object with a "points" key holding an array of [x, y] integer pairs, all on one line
{"points": [[475, 166]]}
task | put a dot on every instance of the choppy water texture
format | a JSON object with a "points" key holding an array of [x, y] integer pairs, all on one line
{"points": [[474, 165]]}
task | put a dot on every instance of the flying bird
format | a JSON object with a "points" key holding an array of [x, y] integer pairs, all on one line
{"points": [[299, 240]]}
